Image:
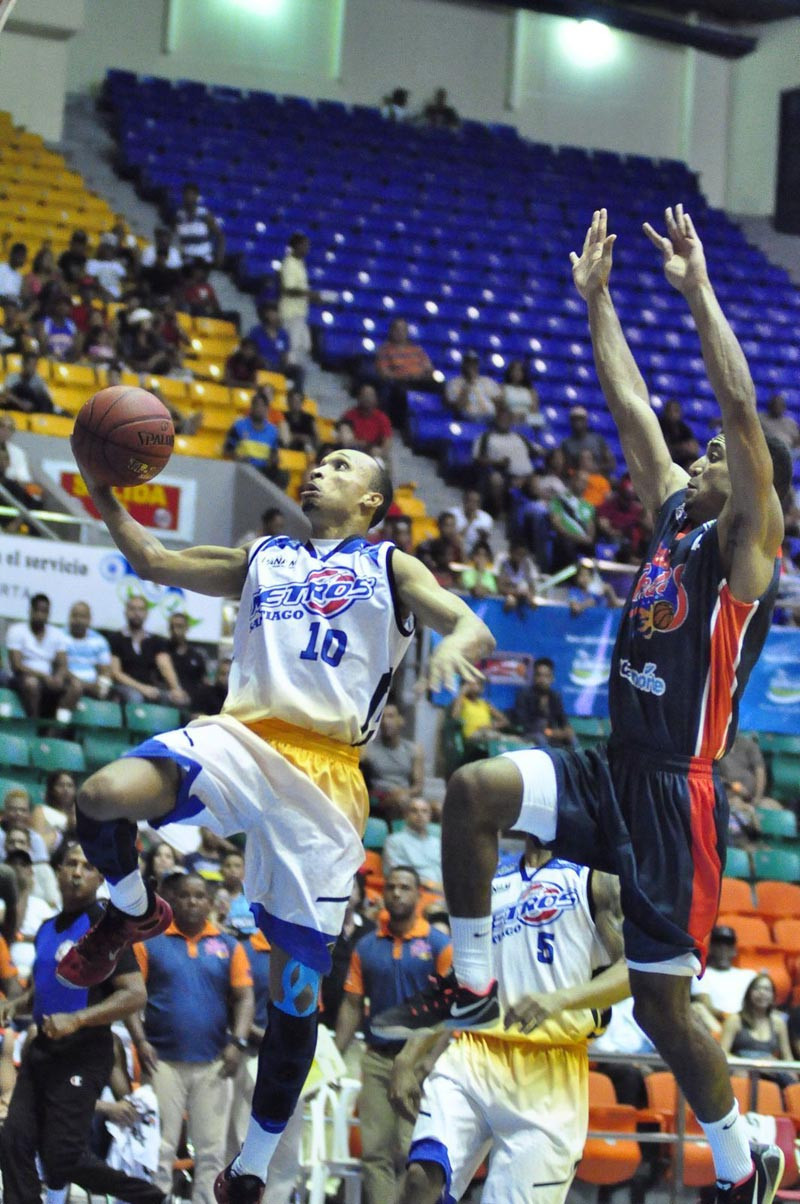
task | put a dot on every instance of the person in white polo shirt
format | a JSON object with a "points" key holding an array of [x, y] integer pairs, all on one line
{"points": [[720, 991], [38, 658]]}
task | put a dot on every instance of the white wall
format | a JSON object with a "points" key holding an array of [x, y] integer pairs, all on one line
{"points": [[757, 83], [33, 62]]}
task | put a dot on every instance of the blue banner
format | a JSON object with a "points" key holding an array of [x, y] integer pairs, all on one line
{"points": [[581, 648]]}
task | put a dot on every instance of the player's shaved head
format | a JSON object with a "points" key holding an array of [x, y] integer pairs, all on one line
{"points": [[381, 482]]}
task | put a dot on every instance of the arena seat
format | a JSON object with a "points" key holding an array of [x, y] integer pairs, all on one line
{"points": [[375, 833], [97, 712], [100, 748], [606, 1161], [786, 934], [148, 718], [205, 446], [737, 865], [752, 932], [10, 706], [50, 754], [777, 900], [768, 959], [14, 750], [662, 1099], [781, 824], [60, 425]]}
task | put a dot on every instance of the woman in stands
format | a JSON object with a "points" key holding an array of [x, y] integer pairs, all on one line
{"points": [[758, 1031]]}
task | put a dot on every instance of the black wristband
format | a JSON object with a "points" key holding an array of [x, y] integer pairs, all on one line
{"points": [[240, 1042]]}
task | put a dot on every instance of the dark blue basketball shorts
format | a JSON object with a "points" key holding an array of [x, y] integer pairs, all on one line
{"points": [[657, 821]]}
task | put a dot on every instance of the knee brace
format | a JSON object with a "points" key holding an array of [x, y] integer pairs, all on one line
{"points": [[284, 1061], [109, 845]]}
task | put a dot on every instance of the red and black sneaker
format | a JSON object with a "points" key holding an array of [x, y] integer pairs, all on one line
{"points": [[95, 957], [443, 1004], [759, 1187], [237, 1189]]}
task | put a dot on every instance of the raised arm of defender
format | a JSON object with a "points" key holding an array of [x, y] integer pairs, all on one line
{"points": [[751, 523], [653, 473]]}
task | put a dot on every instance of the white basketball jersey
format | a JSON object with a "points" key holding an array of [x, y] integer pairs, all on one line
{"points": [[544, 939], [318, 636]]}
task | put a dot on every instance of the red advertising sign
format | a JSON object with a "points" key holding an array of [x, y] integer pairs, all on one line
{"points": [[152, 504]]}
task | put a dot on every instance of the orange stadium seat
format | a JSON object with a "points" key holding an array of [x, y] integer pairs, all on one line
{"points": [[769, 961], [786, 934], [662, 1098], [607, 1160], [737, 896], [751, 931], [777, 900]]}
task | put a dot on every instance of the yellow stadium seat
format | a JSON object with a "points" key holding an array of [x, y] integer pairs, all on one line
{"points": [[186, 322], [214, 326], [276, 379], [20, 420], [208, 369], [423, 528], [217, 418], [215, 348], [241, 398], [292, 461], [13, 362], [206, 392], [74, 374], [167, 386], [207, 446], [325, 429], [70, 397], [50, 424], [125, 378], [414, 507]]}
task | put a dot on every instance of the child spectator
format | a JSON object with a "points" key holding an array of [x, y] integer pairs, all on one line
{"points": [[298, 428], [479, 579]]}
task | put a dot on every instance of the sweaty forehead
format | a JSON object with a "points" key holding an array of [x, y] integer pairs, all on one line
{"points": [[355, 459]]}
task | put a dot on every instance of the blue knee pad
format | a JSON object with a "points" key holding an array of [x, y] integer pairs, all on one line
{"points": [[109, 845], [284, 1061]]}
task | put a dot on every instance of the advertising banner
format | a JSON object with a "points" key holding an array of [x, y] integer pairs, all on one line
{"points": [[70, 572], [167, 504]]}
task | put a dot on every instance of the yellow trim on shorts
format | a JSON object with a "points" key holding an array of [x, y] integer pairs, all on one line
{"points": [[278, 730]]}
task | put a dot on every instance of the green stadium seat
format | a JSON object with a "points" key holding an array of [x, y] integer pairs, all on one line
{"points": [[14, 750], [100, 748], [496, 745], [777, 742], [151, 719], [48, 755], [25, 727], [737, 864], [95, 712], [10, 705], [777, 865], [375, 833], [785, 777], [773, 823]]}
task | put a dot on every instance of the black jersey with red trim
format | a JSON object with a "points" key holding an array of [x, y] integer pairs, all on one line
{"points": [[685, 647]]}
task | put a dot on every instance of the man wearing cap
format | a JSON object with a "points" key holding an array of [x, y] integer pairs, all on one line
{"points": [[721, 990], [470, 394], [582, 439]]}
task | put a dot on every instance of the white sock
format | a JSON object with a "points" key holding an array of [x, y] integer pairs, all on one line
{"points": [[129, 894], [730, 1146], [472, 951], [254, 1156]]}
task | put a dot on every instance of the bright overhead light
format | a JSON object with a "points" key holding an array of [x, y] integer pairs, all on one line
{"points": [[261, 8], [588, 43]]}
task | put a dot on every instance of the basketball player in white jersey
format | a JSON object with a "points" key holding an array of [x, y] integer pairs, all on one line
{"points": [[518, 1092], [322, 627]]}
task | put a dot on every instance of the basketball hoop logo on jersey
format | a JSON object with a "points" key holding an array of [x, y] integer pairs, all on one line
{"points": [[540, 902], [659, 602], [326, 593]]}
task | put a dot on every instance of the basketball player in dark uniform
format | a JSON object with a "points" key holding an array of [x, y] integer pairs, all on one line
{"points": [[649, 808]]}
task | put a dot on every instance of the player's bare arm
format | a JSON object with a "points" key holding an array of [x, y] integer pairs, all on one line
{"points": [[653, 473], [216, 571], [608, 988], [750, 526], [467, 638], [410, 1069]]}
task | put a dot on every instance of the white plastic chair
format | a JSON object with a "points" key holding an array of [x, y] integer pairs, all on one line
{"points": [[331, 1112]]}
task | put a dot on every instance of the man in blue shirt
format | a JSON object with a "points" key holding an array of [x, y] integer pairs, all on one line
{"points": [[272, 342], [254, 440], [68, 1061]]}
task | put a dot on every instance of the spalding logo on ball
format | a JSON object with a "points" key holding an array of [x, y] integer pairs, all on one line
{"points": [[123, 436]]}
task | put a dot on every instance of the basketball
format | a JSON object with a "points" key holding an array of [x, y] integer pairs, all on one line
{"points": [[123, 436], [663, 614]]}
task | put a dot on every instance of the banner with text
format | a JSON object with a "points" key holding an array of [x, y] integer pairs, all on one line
{"points": [[70, 572], [581, 649], [167, 504]]}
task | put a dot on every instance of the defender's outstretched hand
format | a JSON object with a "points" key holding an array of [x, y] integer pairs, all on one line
{"points": [[681, 249], [592, 268]]}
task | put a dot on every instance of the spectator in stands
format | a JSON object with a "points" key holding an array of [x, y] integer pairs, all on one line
{"points": [[393, 765], [680, 439], [19, 469], [197, 233], [141, 666], [161, 264], [253, 439], [399, 529], [478, 718], [58, 334], [394, 107], [573, 523], [624, 1035], [25, 390], [401, 365], [19, 813], [356, 924], [72, 262], [272, 342], [240, 917], [243, 365], [780, 424], [11, 278], [622, 518], [371, 427], [188, 659], [442, 550], [43, 280], [15, 332], [196, 1029], [417, 845], [271, 522], [744, 776], [99, 344], [504, 459], [298, 428], [123, 244], [472, 523], [198, 295], [38, 658], [598, 487], [538, 711], [588, 590], [387, 966], [519, 394], [439, 113], [88, 657], [759, 1031], [721, 990], [56, 816], [529, 518], [15, 524], [141, 347], [295, 297], [582, 439], [470, 394], [109, 268], [517, 578], [159, 863], [553, 481], [478, 579], [32, 909]]}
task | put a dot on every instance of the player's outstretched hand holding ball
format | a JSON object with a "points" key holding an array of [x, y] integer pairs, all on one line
{"points": [[123, 436]]}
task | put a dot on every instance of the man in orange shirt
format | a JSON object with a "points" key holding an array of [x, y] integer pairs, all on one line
{"points": [[401, 365]]}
